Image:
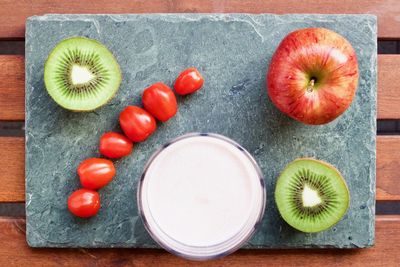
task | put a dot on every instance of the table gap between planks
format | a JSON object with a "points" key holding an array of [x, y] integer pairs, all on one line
{"points": [[13, 248]]}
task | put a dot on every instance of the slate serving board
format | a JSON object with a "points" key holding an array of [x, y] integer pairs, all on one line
{"points": [[233, 52]]}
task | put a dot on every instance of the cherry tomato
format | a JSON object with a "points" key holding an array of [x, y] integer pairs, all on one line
{"points": [[95, 173], [84, 203], [189, 81], [115, 145], [137, 123], [160, 101]]}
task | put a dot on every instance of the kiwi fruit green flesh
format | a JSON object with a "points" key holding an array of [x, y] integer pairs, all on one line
{"points": [[311, 195], [81, 74]]}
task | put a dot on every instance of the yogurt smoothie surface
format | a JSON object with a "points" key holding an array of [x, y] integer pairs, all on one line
{"points": [[201, 191]]}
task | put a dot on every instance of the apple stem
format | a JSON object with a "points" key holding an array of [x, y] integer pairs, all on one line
{"points": [[310, 87]]}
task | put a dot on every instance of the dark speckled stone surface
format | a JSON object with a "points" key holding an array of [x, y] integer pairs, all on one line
{"points": [[233, 52]]}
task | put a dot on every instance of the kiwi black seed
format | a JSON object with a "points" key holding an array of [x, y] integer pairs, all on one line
{"points": [[81, 74], [311, 195]]}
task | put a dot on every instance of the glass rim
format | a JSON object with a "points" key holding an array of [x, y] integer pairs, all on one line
{"points": [[220, 249]]}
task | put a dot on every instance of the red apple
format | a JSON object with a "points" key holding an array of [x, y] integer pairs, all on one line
{"points": [[313, 75]]}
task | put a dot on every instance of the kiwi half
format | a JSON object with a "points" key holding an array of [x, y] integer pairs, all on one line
{"points": [[81, 74], [311, 195]]}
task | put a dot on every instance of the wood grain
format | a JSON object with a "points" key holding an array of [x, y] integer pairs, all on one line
{"points": [[12, 87], [12, 169], [13, 22], [388, 86], [388, 168], [12, 174], [15, 252]]}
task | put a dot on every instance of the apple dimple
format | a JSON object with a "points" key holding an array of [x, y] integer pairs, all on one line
{"points": [[313, 75]]}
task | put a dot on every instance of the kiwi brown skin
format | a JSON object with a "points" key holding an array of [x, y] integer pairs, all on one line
{"points": [[338, 175], [116, 65]]}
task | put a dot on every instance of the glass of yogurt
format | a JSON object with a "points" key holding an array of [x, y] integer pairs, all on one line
{"points": [[201, 196]]}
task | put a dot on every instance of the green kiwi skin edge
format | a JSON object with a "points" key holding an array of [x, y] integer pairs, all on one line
{"points": [[285, 215], [119, 80]]}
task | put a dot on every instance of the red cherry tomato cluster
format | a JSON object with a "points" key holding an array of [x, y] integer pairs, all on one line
{"points": [[138, 124]]}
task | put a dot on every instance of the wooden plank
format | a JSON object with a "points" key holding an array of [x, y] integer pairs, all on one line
{"points": [[12, 87], [388, 168], [12, 173], [13, 23], [15, 252], [12, 169], [388, 86]]}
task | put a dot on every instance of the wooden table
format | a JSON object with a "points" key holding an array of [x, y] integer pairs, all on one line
{"points": [[13, 248]]}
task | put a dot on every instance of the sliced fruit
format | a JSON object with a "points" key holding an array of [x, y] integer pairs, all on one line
{"points": [[311, 195], [81, 74]]}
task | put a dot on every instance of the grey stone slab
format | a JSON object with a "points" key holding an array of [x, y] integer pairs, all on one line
{"points": [[233, 52]]}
